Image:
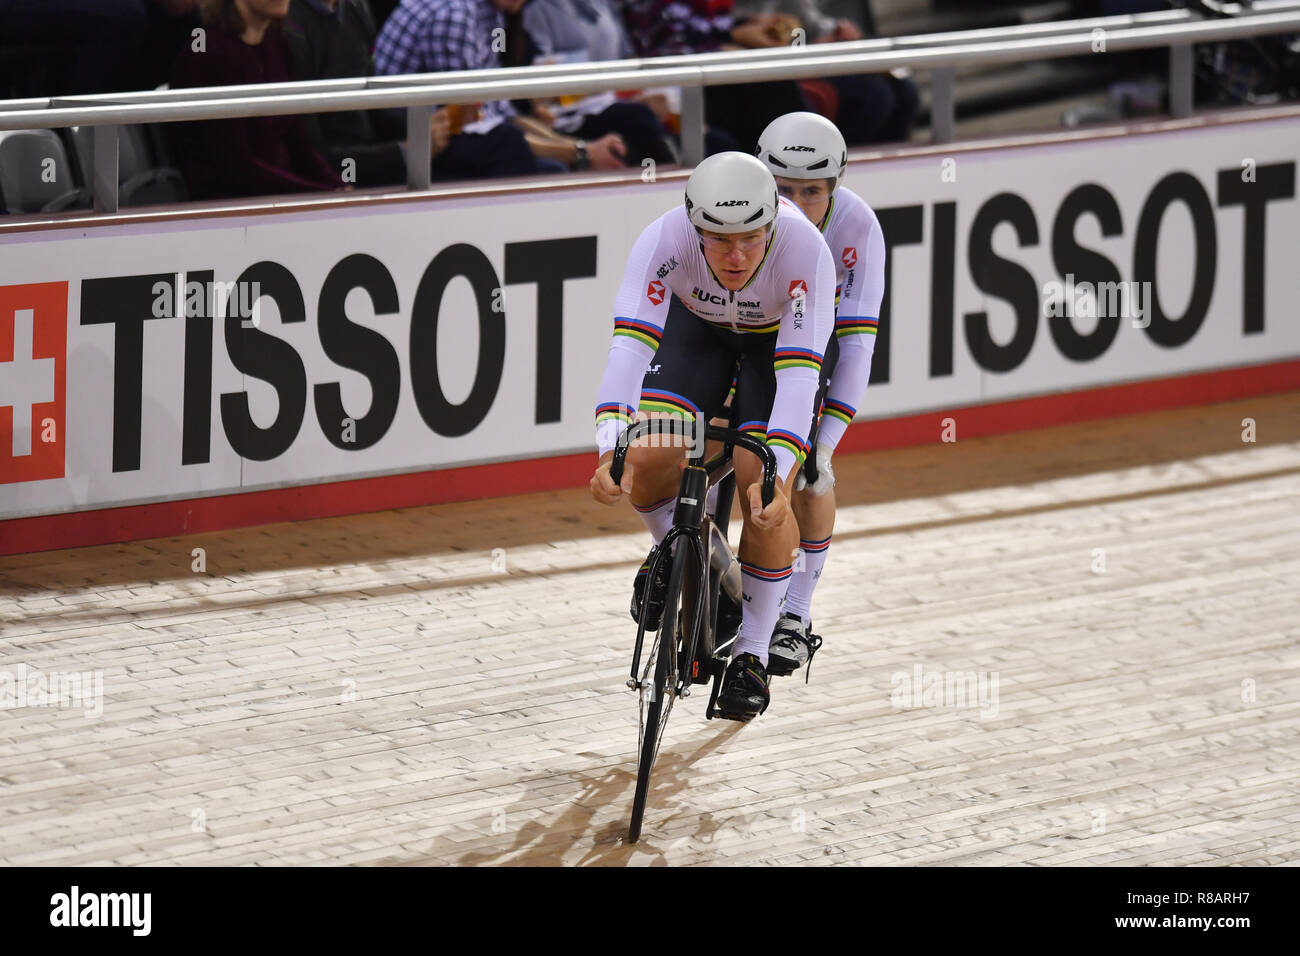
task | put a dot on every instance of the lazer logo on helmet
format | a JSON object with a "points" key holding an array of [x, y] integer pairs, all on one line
{"points": [[798, 149], [732, 202]]}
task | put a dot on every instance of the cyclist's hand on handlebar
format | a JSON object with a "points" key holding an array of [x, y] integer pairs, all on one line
{"points": [[603, 488], [774, 513]]}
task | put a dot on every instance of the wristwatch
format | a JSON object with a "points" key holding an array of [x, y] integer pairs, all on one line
{"points": [[583, 160]]}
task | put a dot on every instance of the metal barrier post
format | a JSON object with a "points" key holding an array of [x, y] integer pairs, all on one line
{"points": [[942, 109], [1180, 80], [419, 149], [105, 169], [692, 125]]}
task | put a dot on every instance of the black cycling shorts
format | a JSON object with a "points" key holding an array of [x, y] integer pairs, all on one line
{"points": [[696, 365]]}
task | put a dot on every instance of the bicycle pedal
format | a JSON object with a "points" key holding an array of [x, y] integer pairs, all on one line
{"points": [[739, 718]]}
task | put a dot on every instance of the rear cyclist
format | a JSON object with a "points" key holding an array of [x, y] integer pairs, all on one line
{"points": [[735, 273], [806, 154]]}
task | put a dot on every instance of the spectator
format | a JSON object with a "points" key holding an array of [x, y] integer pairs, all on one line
{"points": [[428, 36], [330, 39], [672, 27], [252, 155], [868, 108], [577, 31]]}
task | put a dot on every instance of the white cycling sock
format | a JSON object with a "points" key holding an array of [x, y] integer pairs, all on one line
{"points": [[658, 517], [798, 600], [764, 590]]}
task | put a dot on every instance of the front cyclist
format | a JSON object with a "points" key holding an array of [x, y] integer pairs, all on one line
{"points": [[735, 273], [806, 154]]}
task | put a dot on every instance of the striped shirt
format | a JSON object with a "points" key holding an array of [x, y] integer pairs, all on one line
{"points": [[435, 36]]}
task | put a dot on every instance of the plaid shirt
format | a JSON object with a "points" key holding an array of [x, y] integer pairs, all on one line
{"points": [[433, 36]]}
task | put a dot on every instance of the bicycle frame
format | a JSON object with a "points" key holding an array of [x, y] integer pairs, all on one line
{"points": [[690, 523]]}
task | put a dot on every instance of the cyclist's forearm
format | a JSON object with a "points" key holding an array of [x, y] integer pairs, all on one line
{"points": [[848, 385], [620, 388], [789, 421]]}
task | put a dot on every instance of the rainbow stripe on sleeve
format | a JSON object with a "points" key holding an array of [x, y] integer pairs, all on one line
{"points": [[644, 332], [797, 358], [780, 438], [856, 325], [839, 410], [615, 412]]}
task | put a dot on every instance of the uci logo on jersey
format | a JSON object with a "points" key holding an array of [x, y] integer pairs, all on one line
{"points": [[732, 202], [698, 293]]}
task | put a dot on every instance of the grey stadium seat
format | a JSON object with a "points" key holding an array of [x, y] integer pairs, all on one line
{"points": [[142, 180], [35, 175]]}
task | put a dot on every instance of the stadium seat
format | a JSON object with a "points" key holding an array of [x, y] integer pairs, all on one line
{"points": [[35, 175], [142, 179]]}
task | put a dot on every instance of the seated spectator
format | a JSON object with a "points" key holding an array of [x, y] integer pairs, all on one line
{"points": [[868, 108], [582, 31], [331, 39], [429, 36], [252, 155], [673, 27]]}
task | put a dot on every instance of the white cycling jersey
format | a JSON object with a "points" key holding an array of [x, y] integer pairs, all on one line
{"points": [[853, 235], [791, 293]]}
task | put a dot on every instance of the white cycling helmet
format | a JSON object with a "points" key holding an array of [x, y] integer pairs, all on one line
{"points": [[803, 146], [731, 192]]}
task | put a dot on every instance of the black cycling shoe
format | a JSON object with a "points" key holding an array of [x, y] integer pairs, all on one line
{"points": [[655, 612], [744, 692]]}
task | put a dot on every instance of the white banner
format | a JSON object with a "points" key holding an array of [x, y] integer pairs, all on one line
{"points": [[437, 333]]}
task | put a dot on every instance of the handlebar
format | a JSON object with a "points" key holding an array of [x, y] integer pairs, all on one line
{"points": [[678, 426]]}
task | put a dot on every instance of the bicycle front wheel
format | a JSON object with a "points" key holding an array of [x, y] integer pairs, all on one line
{"points": [[658, 688]]}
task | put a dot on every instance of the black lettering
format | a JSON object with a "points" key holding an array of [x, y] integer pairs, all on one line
{"points": [[1186, 188], [1003, 279], [271, 359], [196, 415], [1086, 265], [943, 271], [899, 226], [548, 262], [124, 302], [1275, 181], [438, 413], [359, 348]]}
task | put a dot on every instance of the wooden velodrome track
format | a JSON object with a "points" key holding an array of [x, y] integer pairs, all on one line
{"points": [[390, 689]]}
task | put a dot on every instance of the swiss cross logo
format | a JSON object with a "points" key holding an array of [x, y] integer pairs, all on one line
{"points": [[850, 257], [798, 288], [33, 369], [655, 293]]}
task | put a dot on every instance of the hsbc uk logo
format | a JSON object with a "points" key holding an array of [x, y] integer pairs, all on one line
{"points": [[655, 293], [798, 288], [849, 257], [33, 372]]}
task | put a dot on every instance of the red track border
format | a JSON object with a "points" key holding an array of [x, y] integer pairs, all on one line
{"points": [[194, 515]]}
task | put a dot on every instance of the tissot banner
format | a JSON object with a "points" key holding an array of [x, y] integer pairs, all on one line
{"points": [[171, 360]]}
